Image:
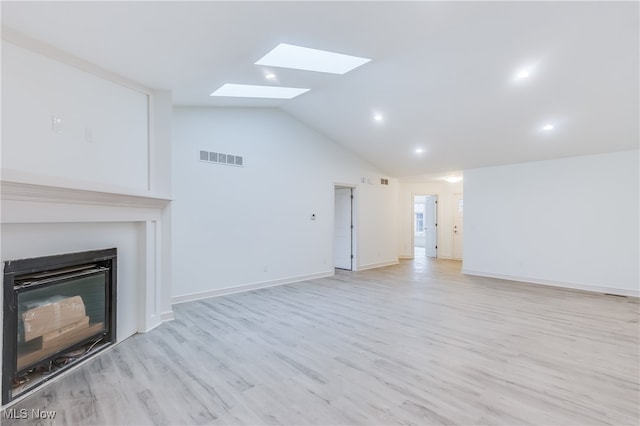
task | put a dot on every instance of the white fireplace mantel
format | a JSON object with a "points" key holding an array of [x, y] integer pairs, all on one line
{"points": [[28, 203], [70, 203]]}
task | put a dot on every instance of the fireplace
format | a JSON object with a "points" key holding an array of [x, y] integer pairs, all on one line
{"points": [[57, 310]]}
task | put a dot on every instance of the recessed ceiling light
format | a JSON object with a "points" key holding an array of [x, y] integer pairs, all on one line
{"points": [[252, 91], [304, 58], [419, 150], [453, 179], [548, 127], [522, 74], [270, 76], [377, 117]]}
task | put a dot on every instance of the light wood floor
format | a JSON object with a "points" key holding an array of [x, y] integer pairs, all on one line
{"points": [[418, 343]]}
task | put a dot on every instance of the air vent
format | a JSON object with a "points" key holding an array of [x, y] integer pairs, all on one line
{"points": [[222, 159]]}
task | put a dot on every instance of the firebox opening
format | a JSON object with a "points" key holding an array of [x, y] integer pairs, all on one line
{"points": [[57, 310]]}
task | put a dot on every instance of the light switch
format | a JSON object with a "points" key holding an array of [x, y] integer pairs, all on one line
{"points": [[56, 124]]}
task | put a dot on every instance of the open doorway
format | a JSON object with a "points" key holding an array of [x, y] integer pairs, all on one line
{"points": [[343, 229], [425, 226]]}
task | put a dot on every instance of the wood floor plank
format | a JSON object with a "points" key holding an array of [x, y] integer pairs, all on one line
{"points": [[417, 343]]}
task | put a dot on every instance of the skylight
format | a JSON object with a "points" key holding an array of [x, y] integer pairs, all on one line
{"points": [[253, 91], [304, 58]]}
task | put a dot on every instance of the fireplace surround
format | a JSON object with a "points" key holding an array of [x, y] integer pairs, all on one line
{"points": [[57, 310], [39, 220]]}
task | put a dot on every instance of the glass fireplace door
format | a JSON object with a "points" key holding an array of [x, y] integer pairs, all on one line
{"points": [[57, 313]]}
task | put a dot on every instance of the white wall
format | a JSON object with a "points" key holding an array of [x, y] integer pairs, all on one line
{"points": [[229, 223], [571, 222], [408, 188], [103, 137]]}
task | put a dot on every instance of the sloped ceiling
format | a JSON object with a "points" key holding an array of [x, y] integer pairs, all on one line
{"points": [[442, 74]]}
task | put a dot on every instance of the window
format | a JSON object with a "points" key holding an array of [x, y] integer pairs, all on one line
{"points": [[419, 222], [418, 209]]}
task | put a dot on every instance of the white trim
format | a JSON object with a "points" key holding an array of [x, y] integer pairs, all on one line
{"points": [[354, 222], [248, 287], [354, 225], [167, 316], [149, 292], [24, 203], [36, 46], [18, 191], [439, 216], [560, 284], [403, 257], [21, 40], [151, 134], [377, 265]]}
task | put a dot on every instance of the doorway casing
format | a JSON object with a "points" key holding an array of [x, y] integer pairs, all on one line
{"points": [[412, 222], [352, 219], [425, 228]]}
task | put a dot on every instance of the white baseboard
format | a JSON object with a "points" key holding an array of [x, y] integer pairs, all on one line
{"points": [[377, 265], [167, 316], [248, 287], [408, 257], [551, 283]]}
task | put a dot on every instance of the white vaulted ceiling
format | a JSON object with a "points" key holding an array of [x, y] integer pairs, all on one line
{"points": [[441, 74]]}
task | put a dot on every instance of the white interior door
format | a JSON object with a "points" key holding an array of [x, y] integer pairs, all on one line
{"points": [[418, 222], [342, 241], [458, 229], [430, 229]]}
